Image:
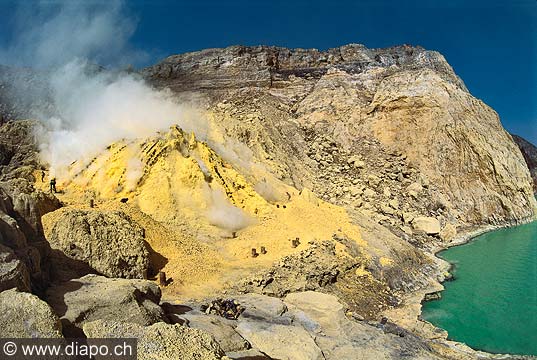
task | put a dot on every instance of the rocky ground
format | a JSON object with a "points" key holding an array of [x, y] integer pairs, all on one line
{"points": [[354, 167]]}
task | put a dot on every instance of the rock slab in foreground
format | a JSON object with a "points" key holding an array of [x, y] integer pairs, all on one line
{"points": [[160, 341], [23, 315], [95, 297], [312, 325], [428, 225]]}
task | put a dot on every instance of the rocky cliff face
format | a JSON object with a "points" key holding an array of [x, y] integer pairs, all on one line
{"points": [[529, 151], [408, 101], [338, 172], [268, 66]]}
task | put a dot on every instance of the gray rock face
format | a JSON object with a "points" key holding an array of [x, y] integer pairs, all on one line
{"points": [[159, 341], [529, 151], [21, 208], [240, 66], [18, 149], [313, 325], [29, 205], [109, 243], [95, 297], [23, 315], [13, 272]]}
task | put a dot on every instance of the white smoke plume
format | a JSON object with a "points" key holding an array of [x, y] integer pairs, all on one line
{"points": [[268, 192], [133, 173], [92, 107], [223, 214], [95, 110]]}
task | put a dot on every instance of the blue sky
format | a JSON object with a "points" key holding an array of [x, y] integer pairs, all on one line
{"points": [[492, 45]]}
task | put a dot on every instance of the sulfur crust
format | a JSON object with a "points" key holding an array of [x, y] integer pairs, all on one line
{"points": [[171, 200]]}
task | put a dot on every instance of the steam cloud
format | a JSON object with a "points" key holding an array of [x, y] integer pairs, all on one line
{"points": [[91, 107], [223, 214], [95, 110]]}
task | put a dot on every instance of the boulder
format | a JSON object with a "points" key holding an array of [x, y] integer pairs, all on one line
{"points": [[356, 161], [368, 193], [388, 210], [355, 191], [94, 297], [261, 307], [394, 204], [159, 341], [429, 225], [23, 315], [408, 217], [109, 243], [323, 308]]}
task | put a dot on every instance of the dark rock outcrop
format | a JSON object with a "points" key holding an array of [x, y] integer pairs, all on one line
{"points": [[529, 151], [21, 233], [13, 272], [18, 150]]}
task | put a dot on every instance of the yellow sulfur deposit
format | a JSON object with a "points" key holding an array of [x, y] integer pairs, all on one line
{"points": [[202, 215]]}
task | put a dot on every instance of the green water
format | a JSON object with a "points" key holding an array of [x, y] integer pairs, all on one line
{"points": [[492, 303]]}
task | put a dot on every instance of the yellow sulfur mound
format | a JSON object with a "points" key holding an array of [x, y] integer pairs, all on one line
{"points": [[202, 215]]}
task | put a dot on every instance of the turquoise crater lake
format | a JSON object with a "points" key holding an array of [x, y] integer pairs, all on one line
{"points": [[492, 303]]}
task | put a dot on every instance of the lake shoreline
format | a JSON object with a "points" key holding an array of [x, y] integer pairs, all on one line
{"points": [[444, 274], [409, 315]]}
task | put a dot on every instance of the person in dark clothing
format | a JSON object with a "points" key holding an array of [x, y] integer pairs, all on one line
{"points": [[42, 176], [53, 185]]}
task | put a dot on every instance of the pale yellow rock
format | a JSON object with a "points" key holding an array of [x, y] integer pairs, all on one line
{"points": [[414, 188], [429, 225], [408, 217], [457, 142], [280, 341], [448, 232]]}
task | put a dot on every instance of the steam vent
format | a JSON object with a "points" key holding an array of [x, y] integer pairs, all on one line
{"points": [[258, 202]]}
